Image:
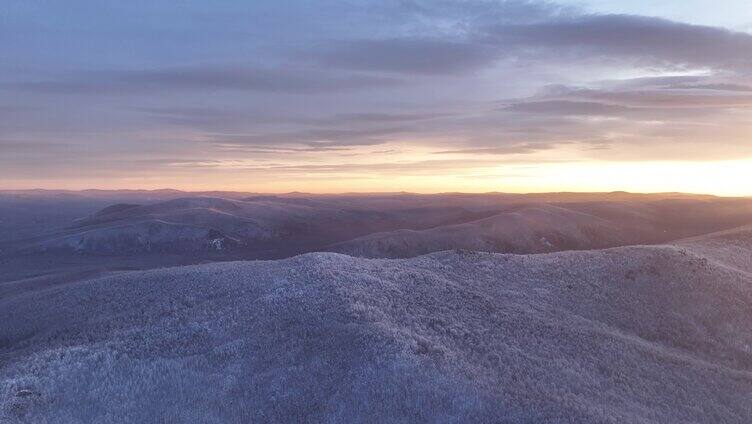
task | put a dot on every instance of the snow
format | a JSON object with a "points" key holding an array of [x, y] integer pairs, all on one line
{"points": [[145, 236], [217, 244], [378, 226], [527, 230], [655, 334]]}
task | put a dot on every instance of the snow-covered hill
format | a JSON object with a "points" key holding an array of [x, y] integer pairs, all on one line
{"points": [[152, 236], [278, 227], [552, 227], [657, 334], [395, 226], [535, 229]]}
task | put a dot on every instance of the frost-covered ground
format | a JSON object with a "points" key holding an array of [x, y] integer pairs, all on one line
{"points": [[377, 226], [536, 229], [656, 334]]}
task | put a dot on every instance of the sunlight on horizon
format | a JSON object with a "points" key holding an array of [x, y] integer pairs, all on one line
{"points": [[721, 178]]}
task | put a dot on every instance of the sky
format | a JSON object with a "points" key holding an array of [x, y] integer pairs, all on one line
{"points": [[387, 95]]}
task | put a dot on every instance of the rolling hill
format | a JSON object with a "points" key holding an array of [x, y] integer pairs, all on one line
{"points": [[535, 229], [555, 226], [649, 334], [257, 226], [387, 226]]}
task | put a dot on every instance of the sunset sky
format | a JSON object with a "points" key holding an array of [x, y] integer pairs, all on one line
{"points": [[334, 96]]}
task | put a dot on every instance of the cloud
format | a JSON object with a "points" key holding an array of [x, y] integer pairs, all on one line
{"points": [[392, 168], [644, 41], [662, 98], [10, 148], [652, 41], [511, 149], [380, 117], [408, 55], [205, 79], [643, 119], [567, 107], [715, 87], [318, 138]]}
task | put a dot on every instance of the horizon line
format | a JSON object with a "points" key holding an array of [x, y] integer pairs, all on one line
{"points": [[401, 192]]}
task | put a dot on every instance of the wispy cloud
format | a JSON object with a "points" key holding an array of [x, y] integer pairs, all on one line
{"points": [[203, 79], [309, 86]]}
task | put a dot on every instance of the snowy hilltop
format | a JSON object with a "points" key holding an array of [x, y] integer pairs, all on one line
{"points": [[650, 334]]}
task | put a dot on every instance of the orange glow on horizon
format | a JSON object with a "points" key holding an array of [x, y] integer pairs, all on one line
{"points": [[723, 178]]}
